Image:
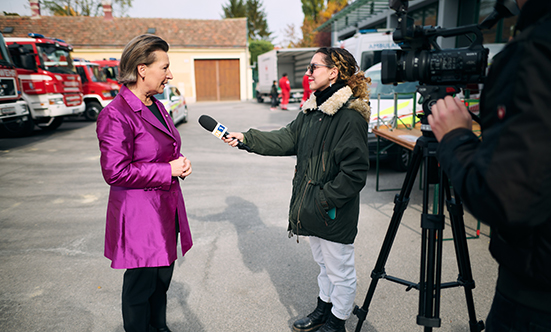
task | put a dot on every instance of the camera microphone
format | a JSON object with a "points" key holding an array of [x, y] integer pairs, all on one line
{"points": [[219, 130]]}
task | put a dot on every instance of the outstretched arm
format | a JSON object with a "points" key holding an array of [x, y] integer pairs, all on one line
{"points": [[233, 138]]}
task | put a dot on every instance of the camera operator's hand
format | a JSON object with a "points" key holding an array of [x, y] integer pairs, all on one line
{"points": [[449, 114]]}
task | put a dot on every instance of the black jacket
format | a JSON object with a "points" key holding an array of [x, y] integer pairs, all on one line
{"points": [[505, 178], [330, 143], [273, 92]]}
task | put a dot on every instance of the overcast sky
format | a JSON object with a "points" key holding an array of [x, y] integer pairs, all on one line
{"points": [[280, 13]]}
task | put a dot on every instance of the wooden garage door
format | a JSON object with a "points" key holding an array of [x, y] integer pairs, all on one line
{"points": [[217, 79]]}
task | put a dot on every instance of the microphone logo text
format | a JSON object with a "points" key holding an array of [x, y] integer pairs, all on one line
{"points": [[219, 130]]}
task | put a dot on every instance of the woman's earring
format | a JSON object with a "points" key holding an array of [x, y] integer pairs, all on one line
{"points": [[330, 84]]}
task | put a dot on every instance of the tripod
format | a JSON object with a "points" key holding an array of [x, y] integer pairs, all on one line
{"points": [[432, 226]]}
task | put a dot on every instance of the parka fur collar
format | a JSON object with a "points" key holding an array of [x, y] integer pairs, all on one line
{"points": [[332, 105]]}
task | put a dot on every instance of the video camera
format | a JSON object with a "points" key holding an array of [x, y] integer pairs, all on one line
{"points": [[421, 58], [439, 72]]}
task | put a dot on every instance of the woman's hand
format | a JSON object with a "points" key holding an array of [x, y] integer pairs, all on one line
{"points": [[180, 167], [232, 138], [449, 114], [187, 168]]}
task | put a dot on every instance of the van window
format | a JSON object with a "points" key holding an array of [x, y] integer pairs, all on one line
{"points": [[4, 57], [55, 59], [16, 54], [174, 92], [81, 73], [96, 74], [111, 72]]}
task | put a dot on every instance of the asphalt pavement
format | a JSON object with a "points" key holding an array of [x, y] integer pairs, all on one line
{"points": [[243, 272]]}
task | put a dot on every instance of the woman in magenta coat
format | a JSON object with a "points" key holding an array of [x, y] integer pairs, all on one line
{"points": [[141, 161]]}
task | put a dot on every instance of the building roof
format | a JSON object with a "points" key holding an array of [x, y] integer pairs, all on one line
{"points": [[357, 11], [84, 32]]}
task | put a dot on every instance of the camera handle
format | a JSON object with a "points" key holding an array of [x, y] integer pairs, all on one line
{"points": [[432, 226], [430, 95]]}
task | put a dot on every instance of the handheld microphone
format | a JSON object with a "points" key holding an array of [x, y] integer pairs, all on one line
{"points": [[219, 130]]}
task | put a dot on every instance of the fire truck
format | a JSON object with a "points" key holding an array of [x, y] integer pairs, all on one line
{"points": [[15, 119], [50, 84], [98, 92], [110, 68]]}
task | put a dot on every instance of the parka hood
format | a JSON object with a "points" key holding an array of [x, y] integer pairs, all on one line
{"points": [[332, 105]]}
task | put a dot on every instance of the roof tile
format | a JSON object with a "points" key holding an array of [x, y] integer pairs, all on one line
{"points": [[96, 32]]}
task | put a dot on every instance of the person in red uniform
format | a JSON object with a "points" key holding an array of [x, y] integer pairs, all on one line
{"points": [[306, 88], [285, 86]]}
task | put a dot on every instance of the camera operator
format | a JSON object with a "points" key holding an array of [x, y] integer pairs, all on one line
{"points": [[504, 179]]}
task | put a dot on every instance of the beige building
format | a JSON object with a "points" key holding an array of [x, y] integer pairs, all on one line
{"points": [[209, 59]]}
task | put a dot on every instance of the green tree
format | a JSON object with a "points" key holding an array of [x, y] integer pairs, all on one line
{"points": [[257, 47], [312, 9], [235, 9], [84, 7], [317, 12], [256, 21], [257, 24]]}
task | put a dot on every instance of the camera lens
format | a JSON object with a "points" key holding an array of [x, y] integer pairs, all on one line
{"points": [[436, 67]]}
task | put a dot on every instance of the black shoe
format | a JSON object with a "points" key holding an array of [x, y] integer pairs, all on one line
{"points": [[315, 320], [159, 329], [333, 324]]}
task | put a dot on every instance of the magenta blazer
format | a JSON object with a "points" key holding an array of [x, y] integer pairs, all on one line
{"points": [[144, 198]]}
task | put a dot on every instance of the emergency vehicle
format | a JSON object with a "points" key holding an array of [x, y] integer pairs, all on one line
{"points": [[51, 87], [15, 119], [367, 45], [110, 68], [98, 93]]}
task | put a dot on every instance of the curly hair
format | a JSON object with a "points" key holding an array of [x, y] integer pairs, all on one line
{"points": [[349, 71]]}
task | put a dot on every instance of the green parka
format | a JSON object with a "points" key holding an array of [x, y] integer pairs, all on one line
{"points": [[330, 142]]}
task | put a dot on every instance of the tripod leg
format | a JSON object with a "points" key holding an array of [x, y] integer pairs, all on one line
{"points": [[429, 285], [465, 278], [431, 252], [400, 204]]}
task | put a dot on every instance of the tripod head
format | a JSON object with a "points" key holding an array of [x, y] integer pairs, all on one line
{"points": [[430, 94]]}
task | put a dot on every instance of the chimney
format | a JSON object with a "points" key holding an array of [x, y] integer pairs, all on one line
{"points": [[35, 8], [107, 10]]}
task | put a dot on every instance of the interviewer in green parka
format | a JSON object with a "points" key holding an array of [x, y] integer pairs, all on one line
{"points": [[329, 138]]}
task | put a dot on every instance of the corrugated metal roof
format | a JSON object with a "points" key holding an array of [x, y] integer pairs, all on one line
{"points": [[359, 10]]}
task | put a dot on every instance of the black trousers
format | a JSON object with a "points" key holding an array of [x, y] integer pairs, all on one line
{"points": [[507, 315], [144, 297]]}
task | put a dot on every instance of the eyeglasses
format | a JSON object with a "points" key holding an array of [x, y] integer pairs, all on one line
{"points": [[311, 67]]}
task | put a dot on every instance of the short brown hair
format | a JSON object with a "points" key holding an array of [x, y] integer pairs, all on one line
{"points": [[139, 50]]}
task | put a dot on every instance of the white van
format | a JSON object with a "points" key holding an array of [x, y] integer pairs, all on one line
{"points": [[367, 45]]}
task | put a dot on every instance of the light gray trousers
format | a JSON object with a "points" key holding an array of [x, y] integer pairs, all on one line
{"points": [[337, 278]]}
